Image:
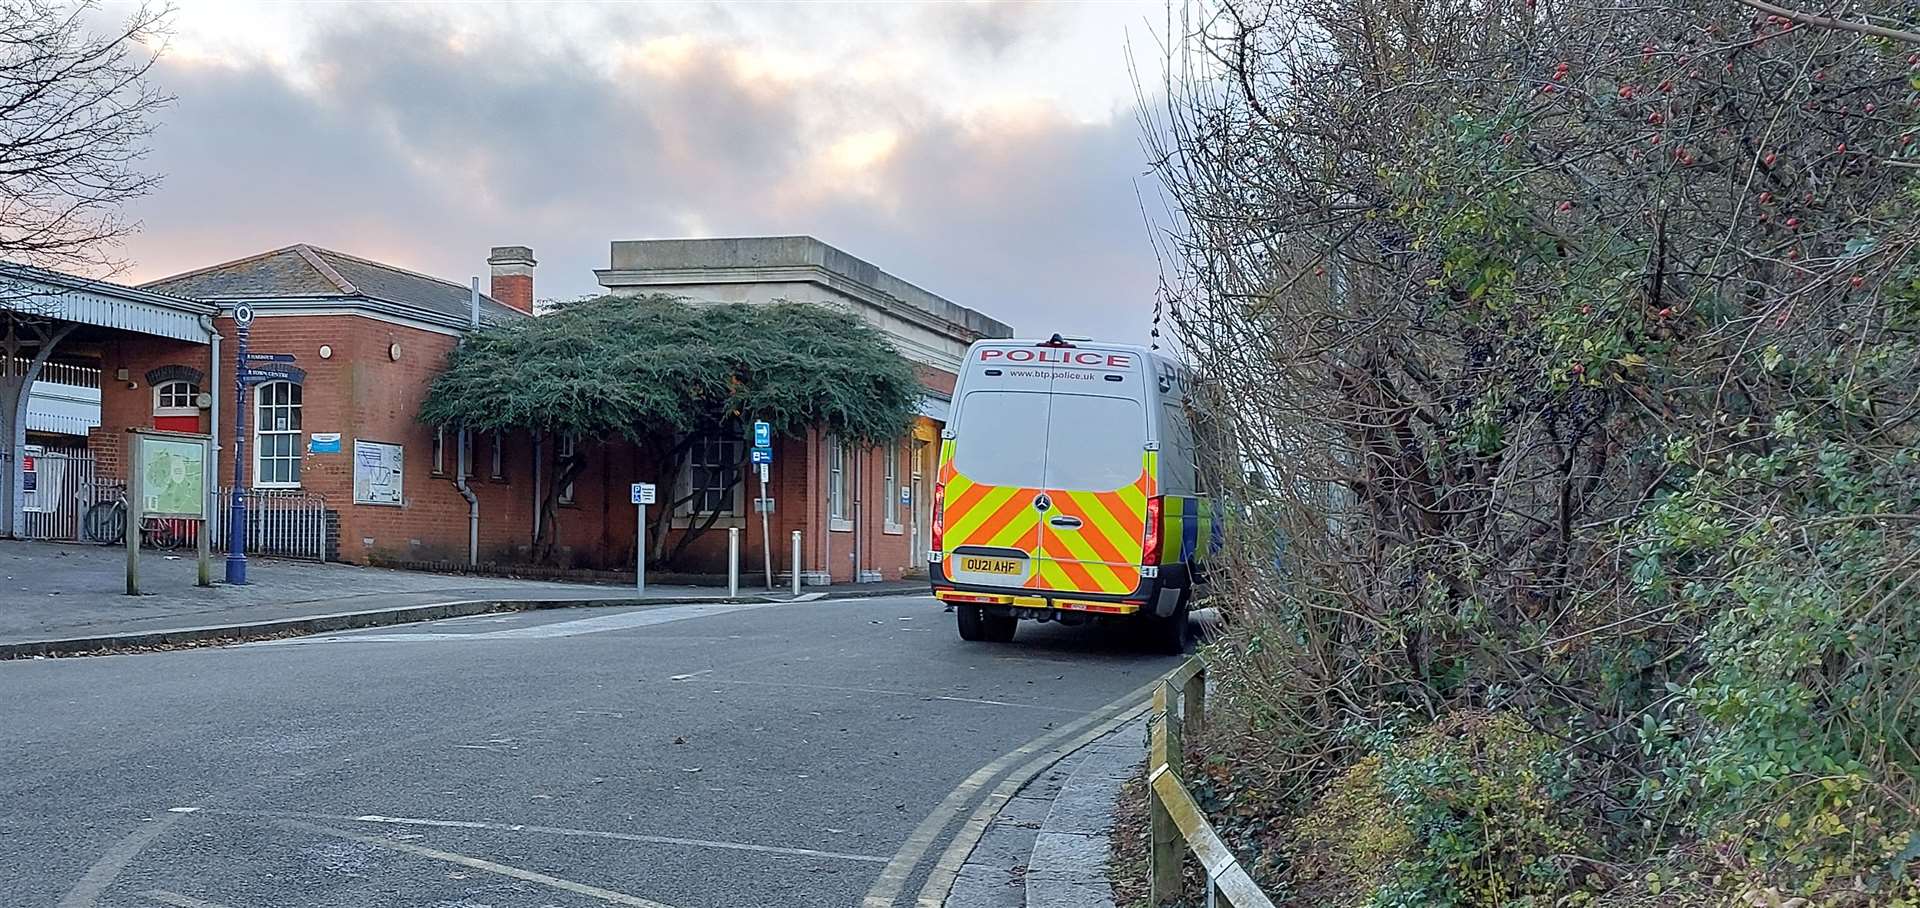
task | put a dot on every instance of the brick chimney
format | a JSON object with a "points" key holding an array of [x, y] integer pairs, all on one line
{"points": [[513, 276]]}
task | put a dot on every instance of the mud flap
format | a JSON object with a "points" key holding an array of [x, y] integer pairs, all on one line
{"points": [[1167, 601]]}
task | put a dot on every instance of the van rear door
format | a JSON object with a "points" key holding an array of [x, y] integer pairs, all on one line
{"points": [[992, 474], [1098, 478]]}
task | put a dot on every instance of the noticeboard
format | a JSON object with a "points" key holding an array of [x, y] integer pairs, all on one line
{"points": [[173, 476], [378, 473]]}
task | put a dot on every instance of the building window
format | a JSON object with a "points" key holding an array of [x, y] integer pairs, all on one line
{"points": [[892, 488], [497, 470], [176, 398], [439, 451], [276, 436], [565, 453], [712, 476], [837, 460], [463, 454]]}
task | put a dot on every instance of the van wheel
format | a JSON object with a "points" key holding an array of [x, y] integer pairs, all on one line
{"points": [[978, 626], [1167, 635]]}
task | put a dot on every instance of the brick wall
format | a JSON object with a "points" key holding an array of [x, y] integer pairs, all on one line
{"points": [[362, 393]]}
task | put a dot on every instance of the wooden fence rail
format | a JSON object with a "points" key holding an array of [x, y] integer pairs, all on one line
{"points": [[1179, 708]]}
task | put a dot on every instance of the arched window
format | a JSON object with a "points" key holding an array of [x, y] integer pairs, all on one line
{"points": [[276, 436], [176, 398]]}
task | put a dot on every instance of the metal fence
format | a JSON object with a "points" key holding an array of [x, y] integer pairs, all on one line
{"points": [[287, 522], [1179, 705], [64, 486], [292, 523]]}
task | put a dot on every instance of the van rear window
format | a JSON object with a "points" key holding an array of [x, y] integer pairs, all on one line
{"points": [[1094, 443], [1001, 439], [1053, 441]]}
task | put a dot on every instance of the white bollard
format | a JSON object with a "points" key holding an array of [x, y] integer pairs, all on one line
{"points": [[733, 562], [796, 563]]}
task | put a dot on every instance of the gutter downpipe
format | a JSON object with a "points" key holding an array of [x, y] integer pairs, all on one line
{"points": [[212, 384], [462, 460]]}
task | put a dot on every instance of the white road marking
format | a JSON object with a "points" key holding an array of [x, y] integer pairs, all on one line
{"points": [[179, 901], [554, 831], [917, 695], [706, 671], [531, 876], [86, 893], [626, 620]]}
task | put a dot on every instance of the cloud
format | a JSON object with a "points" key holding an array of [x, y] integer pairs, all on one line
{"points": [[411, 137]]}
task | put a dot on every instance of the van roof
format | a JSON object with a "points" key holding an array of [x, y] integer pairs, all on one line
{"points": [[1076, 344]]}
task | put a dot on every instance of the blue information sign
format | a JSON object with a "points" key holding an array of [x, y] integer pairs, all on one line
{"points": [[763, 455], [762, 435]]}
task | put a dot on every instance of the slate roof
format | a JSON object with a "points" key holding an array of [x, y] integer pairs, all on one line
{"points": [[304, 271]]}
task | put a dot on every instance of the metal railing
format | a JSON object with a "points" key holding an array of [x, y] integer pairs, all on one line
{"points": [[59, 373], [64, 488], [287, 522], [1179, 707]]}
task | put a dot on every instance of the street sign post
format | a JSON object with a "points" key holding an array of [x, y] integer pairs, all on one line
{"points": [[643, 495], [270, 358], [763, 456], [762, 434]]}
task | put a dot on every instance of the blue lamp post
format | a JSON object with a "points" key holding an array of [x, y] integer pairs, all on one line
{"points": [[237, 513]]}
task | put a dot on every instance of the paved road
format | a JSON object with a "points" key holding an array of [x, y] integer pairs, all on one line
{"points": [[693, 755]]}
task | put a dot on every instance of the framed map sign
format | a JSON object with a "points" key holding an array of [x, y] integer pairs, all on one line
{"points": [[377, 472], [173, 476]]}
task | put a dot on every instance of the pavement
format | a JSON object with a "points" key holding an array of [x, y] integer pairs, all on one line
{"points": [[1048, 847], [819, 753], [53, 592]]}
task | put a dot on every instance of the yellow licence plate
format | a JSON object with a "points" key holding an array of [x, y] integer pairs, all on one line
{"points": [[1004, 567]]}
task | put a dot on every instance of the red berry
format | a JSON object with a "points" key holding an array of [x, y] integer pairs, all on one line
{"points": [[1653, 139], [1666, 312], [1666, 85], [1906, 140], [1578, 369], [1840, 148], [1766, 197], [1793, 255], [1566, 206], [1655, 118], [1586, 310], [1913, 59], [1792, 223], [1857, 281], [1869, 107], [1769, 159]]}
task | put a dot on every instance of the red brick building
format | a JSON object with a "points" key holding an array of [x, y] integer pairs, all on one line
{"points": [[368, 338]]}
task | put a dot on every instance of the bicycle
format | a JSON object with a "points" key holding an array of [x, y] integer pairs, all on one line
{"points": [[105, 523]]}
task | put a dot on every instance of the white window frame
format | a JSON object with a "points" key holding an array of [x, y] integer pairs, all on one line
{"points": [[839, 458], [564, 451], [684, 513], [892, 481], [160, 393], [260, 431], [439, 460]]}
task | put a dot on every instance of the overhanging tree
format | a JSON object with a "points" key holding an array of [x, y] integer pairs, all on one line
{"points": [[661, 373], [75, 112]]}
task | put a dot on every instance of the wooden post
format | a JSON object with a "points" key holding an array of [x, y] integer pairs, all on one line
{"points": [[1193, 708], [1166, 848]]}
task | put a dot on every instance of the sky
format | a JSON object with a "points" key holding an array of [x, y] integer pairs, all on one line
{"points": [[988, 152]]}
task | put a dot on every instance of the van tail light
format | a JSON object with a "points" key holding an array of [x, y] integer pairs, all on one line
{"points": [[1150, 539], [939, 520]]}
